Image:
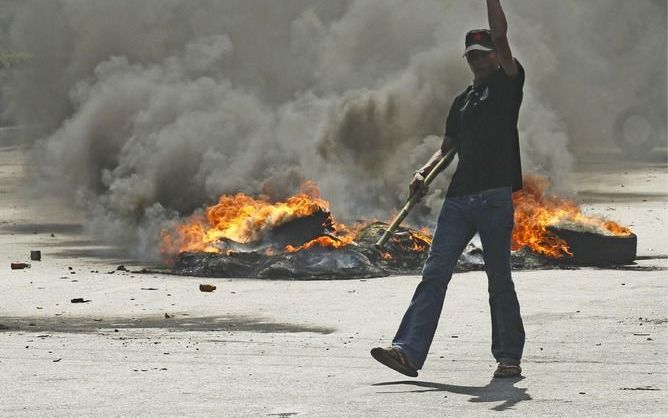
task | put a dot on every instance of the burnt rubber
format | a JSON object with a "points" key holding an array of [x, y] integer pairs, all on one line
{"points": [[591, 249]]}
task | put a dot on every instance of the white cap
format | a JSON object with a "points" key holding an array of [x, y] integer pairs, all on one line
{"points": [[477, 47]]}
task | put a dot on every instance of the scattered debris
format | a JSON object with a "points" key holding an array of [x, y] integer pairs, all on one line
{"points": [[20, 266], [405, 253], [80, 300], [35, 255], [207, 288]]}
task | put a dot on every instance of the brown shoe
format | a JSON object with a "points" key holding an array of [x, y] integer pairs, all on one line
{"points": [[395, 359], [507, 370]]}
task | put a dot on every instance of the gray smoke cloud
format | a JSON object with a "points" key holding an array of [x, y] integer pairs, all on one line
{"points": [[147, 110]]}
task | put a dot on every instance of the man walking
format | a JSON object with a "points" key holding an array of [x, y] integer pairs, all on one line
{"points": [[482, 124]]}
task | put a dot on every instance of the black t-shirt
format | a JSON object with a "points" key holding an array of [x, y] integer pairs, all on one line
{"points": [[483, 120]]}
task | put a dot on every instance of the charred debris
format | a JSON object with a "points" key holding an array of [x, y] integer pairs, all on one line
{"points": [[405, 253]]}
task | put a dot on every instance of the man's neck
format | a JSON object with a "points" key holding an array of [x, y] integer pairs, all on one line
{"points": [[477, 81]]}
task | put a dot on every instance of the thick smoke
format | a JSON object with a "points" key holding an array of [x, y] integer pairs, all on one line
{"points": [[147, 110]]}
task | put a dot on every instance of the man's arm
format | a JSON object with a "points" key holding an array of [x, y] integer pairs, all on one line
{"points": [[417, 183], [448, 143], [499, 28]]}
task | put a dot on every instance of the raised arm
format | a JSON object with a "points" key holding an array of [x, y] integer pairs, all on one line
{"points": [[498, 25]]}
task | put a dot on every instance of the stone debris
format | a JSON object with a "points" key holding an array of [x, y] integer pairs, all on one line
{"points": [[207, 288], [19, 266]]}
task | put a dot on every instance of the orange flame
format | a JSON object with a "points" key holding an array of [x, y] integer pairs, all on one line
{"points": [[411, 240], [422, 239], [535, 212], [345, 236], [243, 219]]}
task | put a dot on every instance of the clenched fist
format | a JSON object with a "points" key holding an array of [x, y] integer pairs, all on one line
{"points": [[418, 186]]}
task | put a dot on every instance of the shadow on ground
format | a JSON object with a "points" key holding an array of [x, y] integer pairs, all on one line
{"points": [[44, 228], [71, 246], [497, 390], [176, 323], [592, 196]]}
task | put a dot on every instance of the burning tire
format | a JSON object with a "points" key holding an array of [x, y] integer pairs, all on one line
{"points": [[593, 249]]}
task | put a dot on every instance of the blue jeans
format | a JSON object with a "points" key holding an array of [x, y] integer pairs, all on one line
{"points": [[490, 213]]}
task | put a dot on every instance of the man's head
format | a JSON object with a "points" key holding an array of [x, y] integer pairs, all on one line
{"points": [[480, 53]]}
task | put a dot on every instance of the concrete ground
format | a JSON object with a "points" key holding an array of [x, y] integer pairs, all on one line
{"points": [[153, 344]]}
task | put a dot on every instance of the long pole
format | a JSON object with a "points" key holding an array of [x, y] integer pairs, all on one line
{"points": [[416, 197]]}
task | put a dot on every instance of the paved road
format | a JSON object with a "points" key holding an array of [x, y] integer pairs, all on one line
{"points": [[153, 344]]}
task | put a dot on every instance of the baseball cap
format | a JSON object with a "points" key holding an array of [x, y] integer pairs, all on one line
{"points": [[479, 40]]}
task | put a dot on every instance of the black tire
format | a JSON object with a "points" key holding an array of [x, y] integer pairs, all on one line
{"points": [[634, 146], [591, 249]]}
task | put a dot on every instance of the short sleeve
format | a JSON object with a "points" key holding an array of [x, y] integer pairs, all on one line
{"points": [[451, 125], [518, 81], [511, 85]]}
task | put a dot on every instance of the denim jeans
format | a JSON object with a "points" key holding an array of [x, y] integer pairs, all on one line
{"points": [[490, 213]]}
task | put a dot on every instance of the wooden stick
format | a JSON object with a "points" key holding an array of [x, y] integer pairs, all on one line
{"points": [[416, 197]]}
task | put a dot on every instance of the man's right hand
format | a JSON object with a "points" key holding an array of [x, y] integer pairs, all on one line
{"points": [[418, 186]]}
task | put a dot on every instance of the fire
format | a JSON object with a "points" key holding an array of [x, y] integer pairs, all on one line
{"points": [[324, 241], [410, 241], [244, 219], [345, 236], [535, 212], [421, 240]]}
